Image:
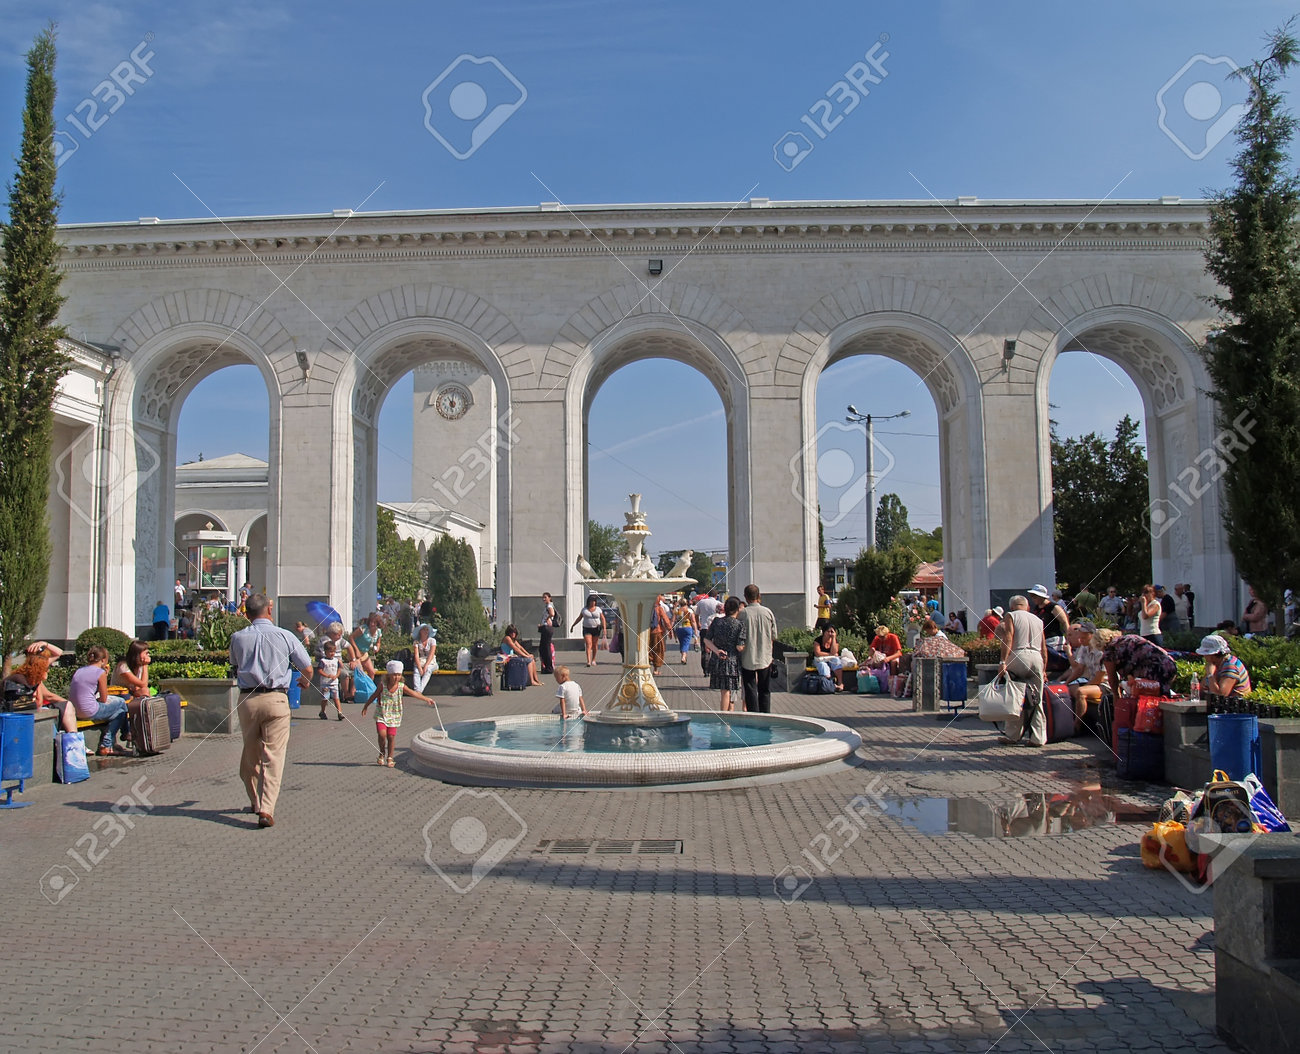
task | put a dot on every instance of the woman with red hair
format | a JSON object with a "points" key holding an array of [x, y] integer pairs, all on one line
{"points": [[32, 674]]}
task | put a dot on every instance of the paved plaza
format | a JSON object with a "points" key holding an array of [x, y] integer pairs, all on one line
{"points": [[195, 931]]}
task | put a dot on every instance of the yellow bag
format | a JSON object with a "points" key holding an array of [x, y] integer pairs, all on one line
{"points": [[1165, 845]]}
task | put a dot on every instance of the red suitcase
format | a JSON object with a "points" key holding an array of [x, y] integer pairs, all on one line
{"points": [[1061, 721]]}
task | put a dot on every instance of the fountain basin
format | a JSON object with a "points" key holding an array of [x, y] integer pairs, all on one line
{"points": [[541, 751]]}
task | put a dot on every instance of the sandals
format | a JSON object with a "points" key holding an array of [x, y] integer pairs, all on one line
{"points": [[392, 764], [339, 715], [381, 759]]}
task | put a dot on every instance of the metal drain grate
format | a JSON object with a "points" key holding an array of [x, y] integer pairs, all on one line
{"points": [[611, 846]]}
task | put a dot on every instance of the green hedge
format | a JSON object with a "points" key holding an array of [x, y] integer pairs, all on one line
{"points": [[113, 639], [160, 670]]}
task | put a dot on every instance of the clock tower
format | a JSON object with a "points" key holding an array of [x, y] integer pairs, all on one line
{"points": [[454, 447]]}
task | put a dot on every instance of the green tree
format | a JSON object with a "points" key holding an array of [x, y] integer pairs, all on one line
{"points": [[604, 544], [453, 589], [878, 575], [1253, 356], [1096, 486], [927, 545], [700, 567], [397, 560], [30, 360], [891, 522]]}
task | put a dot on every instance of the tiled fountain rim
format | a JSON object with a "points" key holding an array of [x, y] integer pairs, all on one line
{"points": [[441, 757]]}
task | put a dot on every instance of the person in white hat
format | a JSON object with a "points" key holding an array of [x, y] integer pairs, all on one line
{"points": [[1225, 674], [1056, 623], [388, 713]]}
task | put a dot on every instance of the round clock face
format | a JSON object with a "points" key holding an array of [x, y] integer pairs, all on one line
{"points": [[452, 402]]}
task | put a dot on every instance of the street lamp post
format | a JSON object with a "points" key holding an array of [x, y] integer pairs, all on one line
{"points": [[856, 418]]}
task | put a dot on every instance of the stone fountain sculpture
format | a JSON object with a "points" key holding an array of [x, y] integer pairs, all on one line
{"points": [[635, 712]]}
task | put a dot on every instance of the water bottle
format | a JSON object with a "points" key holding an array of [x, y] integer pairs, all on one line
{"points": [[1195, 692]]}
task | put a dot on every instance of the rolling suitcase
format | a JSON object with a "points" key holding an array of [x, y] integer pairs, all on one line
{"points": [[150, 725], [174, 710], [514, 675], [1059, 712]]}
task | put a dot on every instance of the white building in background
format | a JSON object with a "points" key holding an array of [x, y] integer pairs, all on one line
{"points": [[228, 496]]}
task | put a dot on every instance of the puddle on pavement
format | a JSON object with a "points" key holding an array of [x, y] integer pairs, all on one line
{"points": [[1029, 816]]}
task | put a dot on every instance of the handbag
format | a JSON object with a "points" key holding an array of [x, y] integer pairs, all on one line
{"points": [[1149, 717], [362, 686], [1001, 699]]}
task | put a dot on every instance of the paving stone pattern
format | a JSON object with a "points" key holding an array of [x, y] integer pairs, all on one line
{"points": [[330, 932]]}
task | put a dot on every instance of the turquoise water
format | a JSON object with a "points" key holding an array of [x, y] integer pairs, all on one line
{"points": [[706, 733]]}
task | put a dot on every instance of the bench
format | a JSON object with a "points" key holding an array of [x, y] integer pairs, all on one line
{"points": [[47, 723]]}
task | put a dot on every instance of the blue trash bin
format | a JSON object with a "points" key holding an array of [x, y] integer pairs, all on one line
{"points": [[17, 754], [1234, 744]]}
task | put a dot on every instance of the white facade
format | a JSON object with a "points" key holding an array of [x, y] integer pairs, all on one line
{"points": [[542, 306]]}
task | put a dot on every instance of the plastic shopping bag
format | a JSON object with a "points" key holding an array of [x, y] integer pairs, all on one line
{"points": [[1165, 845], [70, 758]]}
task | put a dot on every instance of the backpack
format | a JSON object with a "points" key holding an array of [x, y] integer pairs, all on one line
{"points": [[479, 649], [814, 683], [479, 681]]}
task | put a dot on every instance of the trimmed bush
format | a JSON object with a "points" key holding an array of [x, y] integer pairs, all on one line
{"points": [[160, 670], [113, 639]]}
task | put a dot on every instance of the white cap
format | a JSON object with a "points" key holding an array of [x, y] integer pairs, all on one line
{"points": [[395, 666], [1213, 645]]}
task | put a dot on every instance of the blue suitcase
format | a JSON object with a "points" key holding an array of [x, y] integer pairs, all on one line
{"points": [[514, 675]]}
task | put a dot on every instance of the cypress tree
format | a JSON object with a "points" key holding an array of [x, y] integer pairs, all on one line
{"points": [[1253, 357], [30, 360]]}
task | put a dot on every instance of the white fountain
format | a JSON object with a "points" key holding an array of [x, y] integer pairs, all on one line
{"points": [[635, 713], [635, 739]]}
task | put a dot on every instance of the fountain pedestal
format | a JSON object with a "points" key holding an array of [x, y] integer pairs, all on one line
{"points": [[635, 709]]}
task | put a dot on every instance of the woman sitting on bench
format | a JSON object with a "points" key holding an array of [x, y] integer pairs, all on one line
{"points": [[91, 699], [32, 674]]}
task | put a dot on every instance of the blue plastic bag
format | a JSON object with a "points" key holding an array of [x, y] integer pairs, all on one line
{"points": [[363, 685], [70, 758], [1266, 813]]}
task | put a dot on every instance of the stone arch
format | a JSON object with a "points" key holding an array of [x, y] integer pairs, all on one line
{"points": [[686, 340], [1151, 331], [464, 311], [899, 296], [361, 381], [942, 363], [679, 304], [217, 522], [169, 346]]}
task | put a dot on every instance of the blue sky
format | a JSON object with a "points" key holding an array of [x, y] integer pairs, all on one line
{"points": [[289, 108]]}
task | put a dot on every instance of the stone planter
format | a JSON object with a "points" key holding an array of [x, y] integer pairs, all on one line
{"points": [[211, 702], [1279, 745], [1187, 760]]}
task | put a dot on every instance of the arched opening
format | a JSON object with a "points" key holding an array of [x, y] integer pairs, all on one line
{"points": [[1099, 454], [431, 443], [933, 459], [683, 353], [204, 426], [905, 460], [657, 426], [1181, 510]]}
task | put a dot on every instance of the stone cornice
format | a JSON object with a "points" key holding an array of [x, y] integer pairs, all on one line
{"points": [[757, 229]]}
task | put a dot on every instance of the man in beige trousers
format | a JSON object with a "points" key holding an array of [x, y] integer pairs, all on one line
{"points": [[262, 656]]}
